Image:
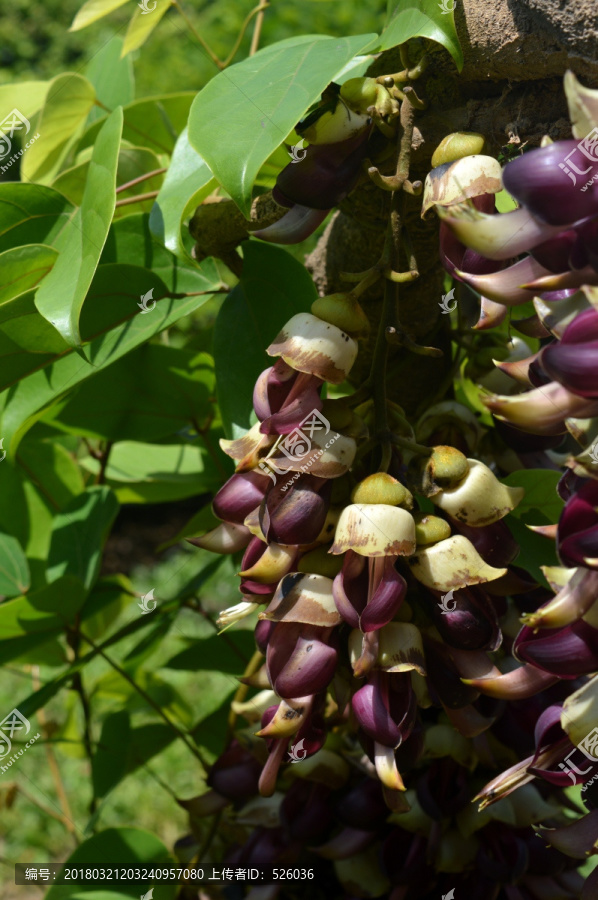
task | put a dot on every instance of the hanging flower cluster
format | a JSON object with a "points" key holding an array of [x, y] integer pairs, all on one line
{"points": [[386, 591], [556, 226]]}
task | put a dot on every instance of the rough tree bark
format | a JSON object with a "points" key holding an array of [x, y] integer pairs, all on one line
{"points": [[510, 90]]}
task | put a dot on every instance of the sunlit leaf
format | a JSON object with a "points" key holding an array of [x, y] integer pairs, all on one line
{"points": [[422, 18], [62, 294], [143, 23], [21, 268], [112, 77], [32, 214], [187, 182], [247, 110], [94, 10], [68, 102]]}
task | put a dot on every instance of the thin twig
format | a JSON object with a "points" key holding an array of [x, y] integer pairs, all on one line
{"points": [[197, 36], [258, 10], [101, 477], [257, 28], [134, 181], [45, 809], [67, 815], [156, 706], [138, 198]]}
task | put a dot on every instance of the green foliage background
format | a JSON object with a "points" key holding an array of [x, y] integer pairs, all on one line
{"points": [[105, 409]]}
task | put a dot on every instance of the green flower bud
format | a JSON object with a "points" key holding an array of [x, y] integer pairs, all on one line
{"points": [[340, 310], [430, 529], [446, 467], [359, 93], [382, 488], [333, 127], [321, 562], [456, 146]]}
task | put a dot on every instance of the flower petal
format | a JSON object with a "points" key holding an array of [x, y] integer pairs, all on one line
{"points": [[295, 226], [375, 529], [452, 564], [496, 237]]}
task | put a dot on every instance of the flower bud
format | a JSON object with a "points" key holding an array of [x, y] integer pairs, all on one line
{"points": [[320, 562], [568, 651], [382, 488], [576, 597], [360, 93], [495, 543], [327, 454], [235, 774], [368, 599], [375, 530], [324, 177], [401, 648], [225, 538], [295, 516], [451, 564], [496, 237], [236, 613], [315, 347], [332, 127], [456, 146], [299, 661], [539, 181], [290, 715], [275, 561], [239, 496], [295, 226], [444, 468], [480, 498], [430, 529], [343, 312], [454, 182]]}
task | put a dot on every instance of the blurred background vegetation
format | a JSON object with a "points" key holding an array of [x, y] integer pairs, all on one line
{"points": [[36, 45]]}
